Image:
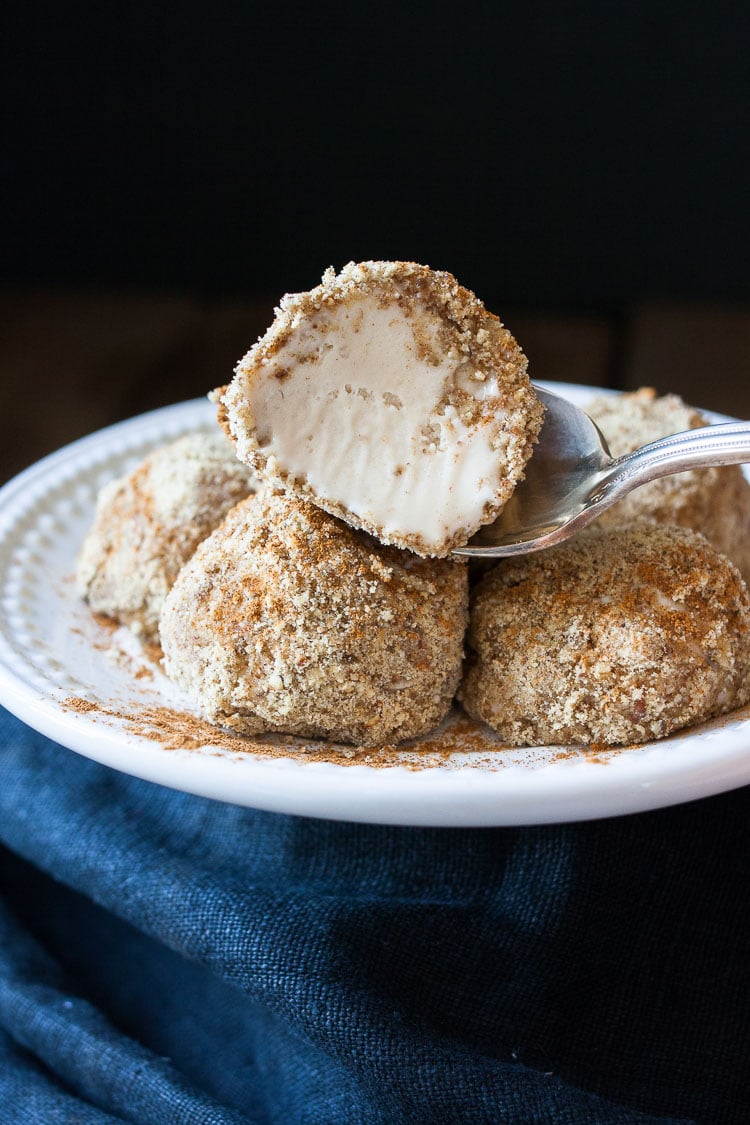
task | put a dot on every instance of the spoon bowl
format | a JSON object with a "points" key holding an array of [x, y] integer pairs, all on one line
{"points": [[571, 478]]}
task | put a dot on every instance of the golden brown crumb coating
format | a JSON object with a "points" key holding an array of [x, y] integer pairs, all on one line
{"points": [[390, 397], [286, 619], [149, 522], [715, 502], [615, 637]]}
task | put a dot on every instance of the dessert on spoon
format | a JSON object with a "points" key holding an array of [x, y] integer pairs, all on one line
{"points": [[390, 397]]}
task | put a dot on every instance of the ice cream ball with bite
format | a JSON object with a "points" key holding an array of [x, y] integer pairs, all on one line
{"points": [[714, 501], [390, 397], [616, 636], [286, 619], [148, 523]]}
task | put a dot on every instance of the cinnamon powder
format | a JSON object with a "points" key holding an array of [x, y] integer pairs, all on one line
{"points": [[458, 736], [181, 730]]}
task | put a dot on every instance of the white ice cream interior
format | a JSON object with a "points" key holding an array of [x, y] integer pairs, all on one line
{"points": [[354, 402]]}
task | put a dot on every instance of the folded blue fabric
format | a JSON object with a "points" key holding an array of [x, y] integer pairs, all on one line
{"points": [[165, 958]]}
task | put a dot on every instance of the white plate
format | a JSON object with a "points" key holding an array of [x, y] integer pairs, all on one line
{"points": [[51, 649]]}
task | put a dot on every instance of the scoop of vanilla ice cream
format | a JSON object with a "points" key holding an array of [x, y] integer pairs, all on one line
{"points": [[149, 522]]}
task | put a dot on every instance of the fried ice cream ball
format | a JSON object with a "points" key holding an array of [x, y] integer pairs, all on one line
{"points": [[286, 619], [714, 501], [616, 636], [149, 522], [391, 398]]}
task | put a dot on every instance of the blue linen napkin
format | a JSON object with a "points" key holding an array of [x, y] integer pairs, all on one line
{"points": [[165, 958]]}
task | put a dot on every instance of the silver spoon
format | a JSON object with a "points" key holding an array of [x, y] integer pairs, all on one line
{"points": [[571, 477]]}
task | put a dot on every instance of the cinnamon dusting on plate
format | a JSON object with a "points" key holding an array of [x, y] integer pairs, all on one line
{"points": [[458, 737], [180, 730]]}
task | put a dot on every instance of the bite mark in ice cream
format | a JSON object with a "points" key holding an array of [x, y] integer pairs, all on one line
{"points": [[390, 397]]}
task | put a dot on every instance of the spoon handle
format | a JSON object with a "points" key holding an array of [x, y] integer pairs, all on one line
{"points": [[708, 446]]}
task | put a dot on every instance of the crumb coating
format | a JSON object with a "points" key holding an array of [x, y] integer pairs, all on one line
{"points": [[149, 522], [616, 637], [286, 619]]}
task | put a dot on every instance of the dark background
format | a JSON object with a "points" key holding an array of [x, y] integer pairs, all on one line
{"points": [[171, 170]]}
